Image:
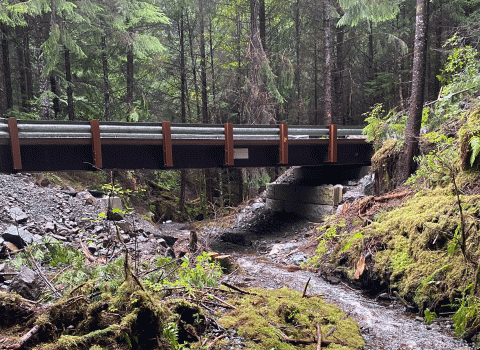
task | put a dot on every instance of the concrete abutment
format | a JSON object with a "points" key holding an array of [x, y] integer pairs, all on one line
{"points": [[313, 192]]}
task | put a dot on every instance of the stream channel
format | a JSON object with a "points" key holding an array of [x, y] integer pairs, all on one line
{"points": [[272, 243]]}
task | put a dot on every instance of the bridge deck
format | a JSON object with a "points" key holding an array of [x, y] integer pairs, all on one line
{"points": [[57, 146]]}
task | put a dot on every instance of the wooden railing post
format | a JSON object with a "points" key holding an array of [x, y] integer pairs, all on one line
{"points": [[229, 159], [15, 144], [167, 144], [332, 143], [283, 153], [96, 144]]}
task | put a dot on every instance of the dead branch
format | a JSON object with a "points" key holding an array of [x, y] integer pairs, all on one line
{"points": [[25, 338], [237, 289], [90, 257], [334, 328], [42, 276], [306, 286], [319, 337], [215, 341]]}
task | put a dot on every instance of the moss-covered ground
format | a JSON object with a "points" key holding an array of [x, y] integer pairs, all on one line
{"points": [[274, 319]]}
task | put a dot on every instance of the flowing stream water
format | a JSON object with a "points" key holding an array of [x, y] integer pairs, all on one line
{"points": [[384, 325]]}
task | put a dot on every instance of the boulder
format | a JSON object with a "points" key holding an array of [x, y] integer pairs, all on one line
{"points": [[17, 236], [26, 284], [17, 215]]}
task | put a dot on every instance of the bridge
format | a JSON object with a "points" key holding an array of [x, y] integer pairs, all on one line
{"points": [[32, 146]]}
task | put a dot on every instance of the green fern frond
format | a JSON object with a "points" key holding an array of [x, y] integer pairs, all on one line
{"points": [[475, 144]]}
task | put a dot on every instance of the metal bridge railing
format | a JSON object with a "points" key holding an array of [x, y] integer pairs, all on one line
{"points": [[26, 132], [153, 131]]}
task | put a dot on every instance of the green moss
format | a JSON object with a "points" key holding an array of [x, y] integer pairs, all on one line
{"points": [[413, 255], [260, 317]]}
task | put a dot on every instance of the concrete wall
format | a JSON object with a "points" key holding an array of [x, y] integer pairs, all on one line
{"points": [[304, 195], [312, 202]]}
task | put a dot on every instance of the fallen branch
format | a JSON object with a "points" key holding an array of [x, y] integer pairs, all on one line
{"points": [[42, 276], [215, 341], [334, 328], [221, 301], [306, 286], [25, 338], [90, 257], [391, 196], [237, 289], [319, 337]]}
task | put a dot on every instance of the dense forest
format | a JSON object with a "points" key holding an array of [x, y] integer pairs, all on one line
{"points": [[215, 61]]}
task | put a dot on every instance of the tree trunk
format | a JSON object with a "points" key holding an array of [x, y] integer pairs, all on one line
{"points": [[340, 100], [194, 67], [3, 97], [262, 23], [328, 64], [68, 78], [183, 111], [183, 75], [406, 164], [22, 81], [183, 185], [56, 100], [7, 73], [315, 81], [298, 68], [28, 67], [216, 114], [203, 65], [106, 80], [129, 96]]}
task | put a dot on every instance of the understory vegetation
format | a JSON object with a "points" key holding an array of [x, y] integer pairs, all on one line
{"points": [[420, 242], [160, 304]]}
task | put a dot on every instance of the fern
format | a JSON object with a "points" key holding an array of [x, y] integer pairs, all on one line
{"points": [[475, 144]]}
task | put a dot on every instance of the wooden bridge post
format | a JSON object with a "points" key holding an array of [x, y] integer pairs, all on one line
{"points": [[332, 143], [167, 144], [15, 144], [96, 144], [283, 155], [229, 159]]}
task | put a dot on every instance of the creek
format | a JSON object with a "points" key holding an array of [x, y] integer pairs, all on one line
{"points": [[385, 325]]}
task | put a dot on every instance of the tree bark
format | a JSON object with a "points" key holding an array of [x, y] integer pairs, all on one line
{"points": [[262, 23], [106, 80], [341, 107], [22, 81], [130, 82], [7, 73], [56, 100], [194, 67], [68, 78], [203, 65], [298, 68], [183, 76], [215, 113], [28, 67], [3, 97], [328, 64], [406, 164]]}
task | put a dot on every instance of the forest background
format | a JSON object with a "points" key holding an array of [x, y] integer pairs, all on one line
{"points": [[240, 61]]}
